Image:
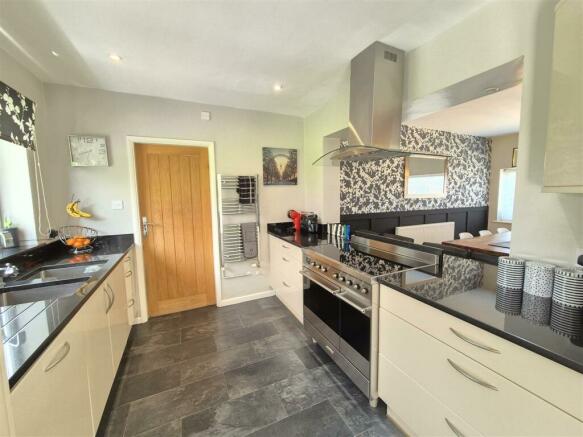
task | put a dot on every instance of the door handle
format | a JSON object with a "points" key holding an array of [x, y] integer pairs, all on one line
{"points": [[456, 431], [473, 342], [146, 225], [60, 356], [112, 298], [471, 377]]}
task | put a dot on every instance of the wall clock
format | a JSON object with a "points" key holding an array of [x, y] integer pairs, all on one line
{"points": [[88, 151]]}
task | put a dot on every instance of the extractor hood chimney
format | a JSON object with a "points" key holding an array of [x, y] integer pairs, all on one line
{"points": [[376, 101]]}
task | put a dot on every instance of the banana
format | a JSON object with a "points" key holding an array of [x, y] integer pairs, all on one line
{"points": [[73, 210], [70, 210], [81, 213]]}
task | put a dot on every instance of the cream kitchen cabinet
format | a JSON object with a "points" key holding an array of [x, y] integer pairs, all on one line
{"points": [[466, 382], [130, 284], [285, 278], [563, 171], [100, 370], [52, 399], [119, 327], [65, 391]]}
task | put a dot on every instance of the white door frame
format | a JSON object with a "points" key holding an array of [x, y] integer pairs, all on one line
{"points": [[136, 221]]}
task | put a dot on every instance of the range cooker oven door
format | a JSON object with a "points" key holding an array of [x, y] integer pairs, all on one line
{"points": [[355, 326], [321, 306]]}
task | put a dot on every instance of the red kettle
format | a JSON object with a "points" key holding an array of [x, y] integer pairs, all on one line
{"points": [[296, 217]]}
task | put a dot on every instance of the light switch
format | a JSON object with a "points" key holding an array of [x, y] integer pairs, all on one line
{"points": [[117, 204]]}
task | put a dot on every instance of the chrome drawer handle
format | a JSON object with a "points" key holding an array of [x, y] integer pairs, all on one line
{"points": [[109, 300], [471, 377], [285, 259], [286, 284], [112, 297], [131, 303], [474, 342], [127, 260], [129, 273], [60, 356], [284, 246], [329, 349], [456, 431]]}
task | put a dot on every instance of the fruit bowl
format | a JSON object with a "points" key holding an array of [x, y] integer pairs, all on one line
{"points": [[79, 238]]}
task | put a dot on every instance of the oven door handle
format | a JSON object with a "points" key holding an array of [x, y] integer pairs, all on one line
{"points": [[321, 282], [363, 310]]}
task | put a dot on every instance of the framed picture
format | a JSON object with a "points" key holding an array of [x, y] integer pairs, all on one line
{"points": [[88, 151], [280, 166], [515, 157]]}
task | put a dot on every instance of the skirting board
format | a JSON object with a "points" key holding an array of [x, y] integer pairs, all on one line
{"points": [[235, 300]]}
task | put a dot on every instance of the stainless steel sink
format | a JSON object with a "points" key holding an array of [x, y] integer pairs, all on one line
{"points": [[63, 272], [34, 292]]}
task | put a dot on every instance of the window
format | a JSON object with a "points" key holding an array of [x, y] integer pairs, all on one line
{"points": [[506, 188]]}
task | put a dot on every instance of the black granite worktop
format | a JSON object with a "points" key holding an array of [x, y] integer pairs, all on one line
{"points": [[285, 231], [29, 328], [467, 289], [23, 247]]}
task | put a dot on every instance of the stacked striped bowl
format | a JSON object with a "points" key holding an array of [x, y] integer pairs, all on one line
{"points": [[567, 305], [538, 290], [509, 284]]}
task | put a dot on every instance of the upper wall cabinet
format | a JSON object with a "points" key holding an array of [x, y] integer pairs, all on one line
{"points": [[564, 148]]}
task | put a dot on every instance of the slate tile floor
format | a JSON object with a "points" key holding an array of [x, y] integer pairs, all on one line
{"points": [[246, 369]]}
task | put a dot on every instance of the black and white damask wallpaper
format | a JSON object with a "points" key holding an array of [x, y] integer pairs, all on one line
{"points": [[378, 186], [16, 117]]}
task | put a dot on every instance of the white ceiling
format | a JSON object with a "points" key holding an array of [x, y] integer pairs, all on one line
{"points": [[218, 52], [489, 116]]}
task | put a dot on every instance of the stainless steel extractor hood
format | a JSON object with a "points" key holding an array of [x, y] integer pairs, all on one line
{"points": [[376, 101]]}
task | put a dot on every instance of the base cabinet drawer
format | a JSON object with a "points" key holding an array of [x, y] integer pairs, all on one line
{"points": [[563, 387], [487, 401], [52, 398], [414, 409], [285, 264]]}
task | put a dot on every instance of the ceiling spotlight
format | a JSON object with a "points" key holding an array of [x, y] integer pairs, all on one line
{"points": [[55, 54], [115, 57], [278, 87]]}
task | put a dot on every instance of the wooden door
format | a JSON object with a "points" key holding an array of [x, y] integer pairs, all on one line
{"points": [[174, 192]]}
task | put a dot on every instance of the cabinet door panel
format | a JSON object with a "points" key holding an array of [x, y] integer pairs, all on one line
{"points": [[52, 398], [564, 153], [98, 352], [406, 399], [118, 313]]}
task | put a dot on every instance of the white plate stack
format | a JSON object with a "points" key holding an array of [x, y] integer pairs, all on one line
{"points": [[567, 307], [509, 284], [538, 289]]}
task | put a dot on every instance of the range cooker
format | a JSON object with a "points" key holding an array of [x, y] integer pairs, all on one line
{"points": [[341, 299]]}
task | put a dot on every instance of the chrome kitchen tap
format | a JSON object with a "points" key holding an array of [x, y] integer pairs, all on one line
{"points": [[7, 271]]}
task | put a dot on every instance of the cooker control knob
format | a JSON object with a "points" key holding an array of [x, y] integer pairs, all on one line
{"points": [[335, 275], [349, 282], [313, 264], [324, 269], [341, 278], [364, 290], [356, 287]]}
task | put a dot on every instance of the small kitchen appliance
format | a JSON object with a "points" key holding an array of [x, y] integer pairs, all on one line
{"points": [[309, 222], [8, 238], [296, 217]]}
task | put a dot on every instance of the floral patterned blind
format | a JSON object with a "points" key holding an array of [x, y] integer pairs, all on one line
{"points": [[16, 117]]}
